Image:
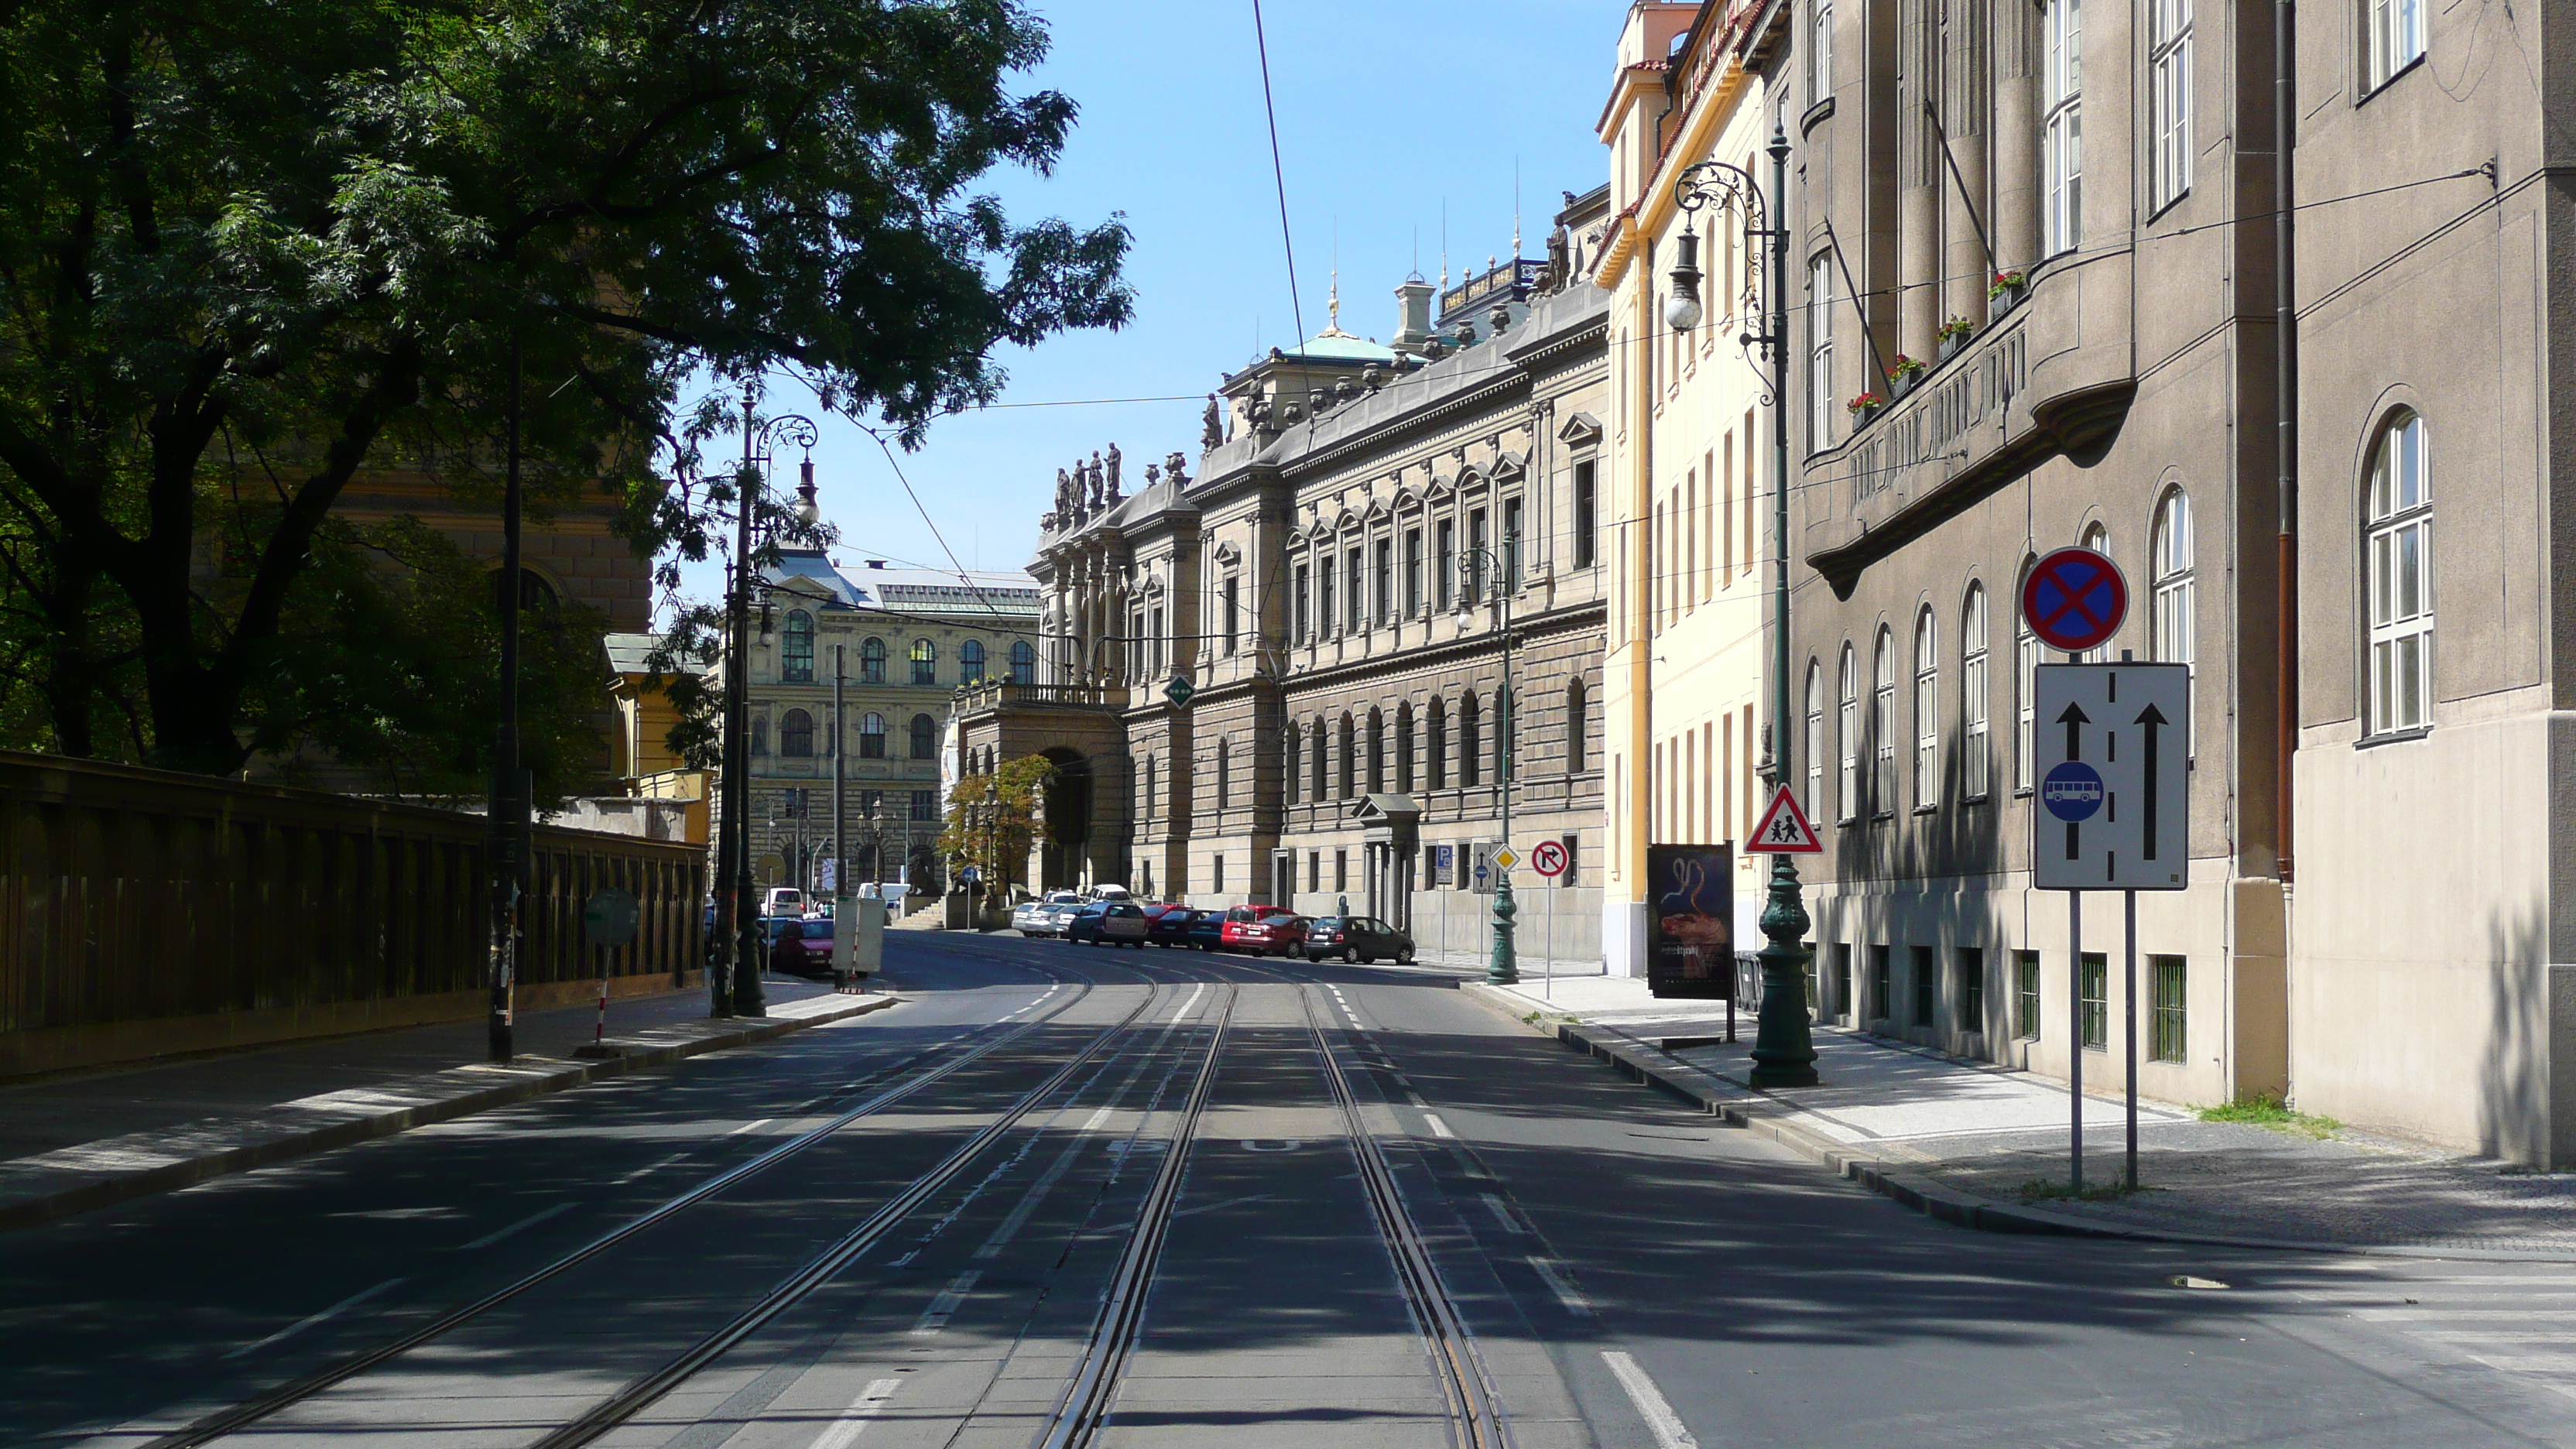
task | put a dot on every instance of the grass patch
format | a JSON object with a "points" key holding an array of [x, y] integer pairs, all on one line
{"points": [[2049, 1189], [2270, 1111]]}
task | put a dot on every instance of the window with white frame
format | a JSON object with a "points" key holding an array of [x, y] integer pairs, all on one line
{"points": [[2393, 39], [2171, 620], [1815, 741], [2062, 130], [2398, 582], [1927, 714], [1820, 353], [1820, 52], [1847, 741], [1882, 724], [2025, 688], [2168, 101], [2098, 539], [1977, 776]]}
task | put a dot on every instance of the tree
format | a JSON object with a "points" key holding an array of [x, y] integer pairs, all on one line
{"points": [[997, 842], [248, 250]]}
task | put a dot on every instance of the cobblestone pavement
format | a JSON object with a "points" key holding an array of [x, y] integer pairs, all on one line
{"points": [[2002, 1134]]}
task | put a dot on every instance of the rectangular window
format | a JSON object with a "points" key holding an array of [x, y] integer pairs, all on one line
{"points": [[1878, 1006], [1927, 986], [1820, 52], [1341, 870], [1314, 870], [1821, 401], [2097, 1010], [1412, 573], [2167, 1037], [1154, 628], [1216, 873], [1585, 524], [2393, 39], [1726, 508], [1752, 531], [1511, 545], [2168, 102], [1358, 593], [1233, 612], [1573, 860], [2062, 138], [1972, 989], [925, 804], [1476, 547], [1444, 565], [1324, 596], [2025, 707], [1304, 619], [1688, 543], [2026, 995], [1385, 582]]}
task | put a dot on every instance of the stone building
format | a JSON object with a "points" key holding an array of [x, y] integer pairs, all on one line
{"points": [[904, 643], [1344, 734]]}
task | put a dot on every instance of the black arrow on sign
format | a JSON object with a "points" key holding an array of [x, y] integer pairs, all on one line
{"points": [[2151, 719], [2075, 719]]}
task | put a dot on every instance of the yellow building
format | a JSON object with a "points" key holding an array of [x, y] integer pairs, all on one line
{"points": [[1690, 457], [641, 757]]}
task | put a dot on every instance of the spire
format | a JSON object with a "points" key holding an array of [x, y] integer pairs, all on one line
{"points": [[1333, 307]]}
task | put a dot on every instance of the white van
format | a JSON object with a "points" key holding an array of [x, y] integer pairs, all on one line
{"points": [[783, 901]]}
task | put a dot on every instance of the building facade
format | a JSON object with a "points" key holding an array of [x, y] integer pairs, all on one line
{"points": [[1380, 538], [1690, 466], [903, 644]]}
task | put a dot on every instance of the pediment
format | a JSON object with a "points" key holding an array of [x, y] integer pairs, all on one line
{"points": [[1509, 467], [1579, 430], [1228, 554], [1442, 488], [1377, 509]]}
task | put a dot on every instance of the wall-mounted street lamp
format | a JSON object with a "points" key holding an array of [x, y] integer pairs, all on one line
{"points": [[1477, 565]]}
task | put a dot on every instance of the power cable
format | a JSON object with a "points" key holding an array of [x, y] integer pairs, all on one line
{"points": [[1278, 173]]}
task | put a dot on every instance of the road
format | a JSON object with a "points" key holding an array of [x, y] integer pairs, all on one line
{"points": [[1067, 1196]]}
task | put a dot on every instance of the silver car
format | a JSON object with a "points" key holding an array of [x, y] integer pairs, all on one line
{"points": [[1046, 917]]}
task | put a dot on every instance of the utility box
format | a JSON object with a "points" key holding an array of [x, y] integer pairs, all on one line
{"points": [[858, 940]]}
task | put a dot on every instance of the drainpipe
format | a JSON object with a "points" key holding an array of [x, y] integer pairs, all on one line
{"points": [[2285, 345]]}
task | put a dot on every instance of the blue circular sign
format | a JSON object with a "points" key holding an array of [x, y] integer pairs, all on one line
{"points": [[2072, 791]]}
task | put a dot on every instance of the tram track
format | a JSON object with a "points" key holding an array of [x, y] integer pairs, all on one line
{"points": [[233, 1419]]}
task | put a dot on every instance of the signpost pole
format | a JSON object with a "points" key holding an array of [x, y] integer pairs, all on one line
{"points": [[2130, 905], [2075, 1037]]}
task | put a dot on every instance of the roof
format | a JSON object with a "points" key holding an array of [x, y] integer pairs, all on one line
{"points": [[981, 593], [627, 654], [1334, 345]]}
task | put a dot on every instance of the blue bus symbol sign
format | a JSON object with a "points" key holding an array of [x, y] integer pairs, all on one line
{"points": [[2072, 791]]}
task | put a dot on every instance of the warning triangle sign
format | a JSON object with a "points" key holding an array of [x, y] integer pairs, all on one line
{"points": [[1784, 830]]}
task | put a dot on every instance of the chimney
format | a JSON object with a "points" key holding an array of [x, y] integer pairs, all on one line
{"points": [[1413, 303]]}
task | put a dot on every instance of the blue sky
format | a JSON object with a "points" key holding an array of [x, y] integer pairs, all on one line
{"points": [[1387, 108]]}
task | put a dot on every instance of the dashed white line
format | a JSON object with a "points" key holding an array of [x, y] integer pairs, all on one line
{"points": [[1501, 1213], [650, 1168], [301, 1324], [853, 1420], [530, 1221], [935, 1317], [751, 1126], [1566, 1293], [1651, 1405], [1438, 1127]]}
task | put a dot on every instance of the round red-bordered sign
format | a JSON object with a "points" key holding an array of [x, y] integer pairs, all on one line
{"points": [[2074, 599], [1548, 858]]}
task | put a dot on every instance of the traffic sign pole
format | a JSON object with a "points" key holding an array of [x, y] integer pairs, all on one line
{"points": [[2130, 904], [2075, 1037]]}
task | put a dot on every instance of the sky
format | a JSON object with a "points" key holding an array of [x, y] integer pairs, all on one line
{"points": [[1388, 110]]}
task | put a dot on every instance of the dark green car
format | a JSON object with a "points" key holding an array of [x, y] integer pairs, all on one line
{"points": [[1357, 939]]}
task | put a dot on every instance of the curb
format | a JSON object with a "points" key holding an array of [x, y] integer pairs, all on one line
{"points": [[1740, 1106], [73, 1180]]}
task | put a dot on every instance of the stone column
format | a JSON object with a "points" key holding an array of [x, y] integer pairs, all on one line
{"points": [[2015, 148], [1918, 195], [1965, 71]]}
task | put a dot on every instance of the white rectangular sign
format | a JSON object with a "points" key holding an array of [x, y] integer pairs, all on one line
{"points": [[2114, 760]]}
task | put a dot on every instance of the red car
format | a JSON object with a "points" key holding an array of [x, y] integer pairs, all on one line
{"points": [[1265, 931]]}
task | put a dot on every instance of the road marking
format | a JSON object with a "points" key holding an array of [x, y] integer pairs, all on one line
{"points": [[1437, 1126], [935, 1317], [1651, 1406], [650, 1168], [1501, 1213], [1028, 1203], [853, 1421], [301, 1324], [1184, 1008], [530, 1221], [751, 1126], [1230, 1202], [1566, 1293]]}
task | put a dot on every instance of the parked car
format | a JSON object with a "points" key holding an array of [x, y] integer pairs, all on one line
{"points": [[1207, 930], [785, 901], [1040, 917], [816, 932], [1168, 926], [1108, 923], [1359, 939], [1265, 931]]}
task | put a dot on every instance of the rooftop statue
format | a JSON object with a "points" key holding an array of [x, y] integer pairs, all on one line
{"points": [[1211, 424], [1113, 473]]}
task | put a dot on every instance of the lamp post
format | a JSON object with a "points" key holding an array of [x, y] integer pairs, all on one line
{"points": [[1784, 1050], [759, 439], [1478, 563]]}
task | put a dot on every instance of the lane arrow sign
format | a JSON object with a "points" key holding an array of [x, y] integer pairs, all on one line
{"points": [[2151, 719], [2075, 719]]}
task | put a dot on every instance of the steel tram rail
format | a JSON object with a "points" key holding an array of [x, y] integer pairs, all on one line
{"points": [[224, 1422]]}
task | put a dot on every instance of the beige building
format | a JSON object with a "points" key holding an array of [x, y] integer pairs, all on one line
{"points": [[904, 643], [1690, 459], [1347, 735]]}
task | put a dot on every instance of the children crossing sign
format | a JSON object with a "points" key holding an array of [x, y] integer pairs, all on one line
{"points": [[1784, 830]]}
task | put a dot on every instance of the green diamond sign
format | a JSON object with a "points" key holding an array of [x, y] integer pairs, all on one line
{"points": [[1179, 690]]}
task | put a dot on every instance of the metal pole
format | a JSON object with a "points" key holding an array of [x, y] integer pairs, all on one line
{"points": [[748, 999], [2130, 906], [509, 787], [1505, 969], [840, 825], [2075, 1037]]}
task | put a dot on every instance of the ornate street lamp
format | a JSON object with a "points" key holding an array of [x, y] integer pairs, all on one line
{"points": [[1784, 1050], [742, 995], [1476, 563]]}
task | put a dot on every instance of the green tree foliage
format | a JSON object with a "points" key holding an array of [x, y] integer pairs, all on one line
{"points": [[251, 253], [998, 843]]}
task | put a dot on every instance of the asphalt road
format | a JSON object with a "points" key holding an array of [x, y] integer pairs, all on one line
{"points": [[1074, 1196]]}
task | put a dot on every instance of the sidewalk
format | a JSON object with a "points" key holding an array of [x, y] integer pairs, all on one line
{"points": [[1986, 1146], [84, 1140]]}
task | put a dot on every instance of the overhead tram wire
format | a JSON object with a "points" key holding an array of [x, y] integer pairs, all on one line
{"points": [[1278, 172]]}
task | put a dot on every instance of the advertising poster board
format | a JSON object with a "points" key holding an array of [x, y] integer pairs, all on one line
{"points": [[1690, 921]]}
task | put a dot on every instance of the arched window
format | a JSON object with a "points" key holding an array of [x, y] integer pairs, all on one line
{"points": [[2025, 688], [872, 657], [796, 735], [1815, 740], [1882, 724], [1224, 776], [925, 662], [1978, 774], [1376, 752], [1927, 714], [796, 648], [872, 737], [970, 662], [1471, 742], [1350, 757], [1404, 748], [1578, 728], [1024, 663], [1289, 756], [2397, 566], [1847, 740], [760, 735], [925, 737], [1435, 761], [2098, 539]]}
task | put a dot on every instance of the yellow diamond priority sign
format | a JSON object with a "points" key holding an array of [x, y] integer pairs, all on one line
{"points": [[1506, 858]]}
